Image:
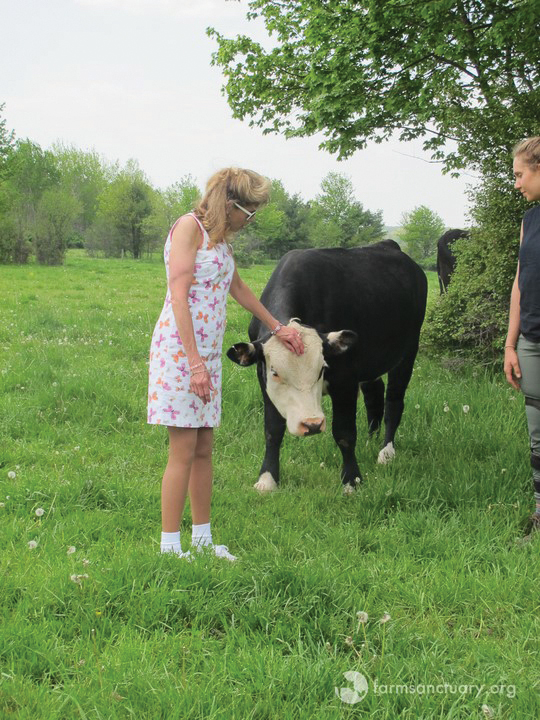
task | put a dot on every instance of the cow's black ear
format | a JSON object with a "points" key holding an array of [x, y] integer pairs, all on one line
{"points": [[335, 343], [245, 353]]}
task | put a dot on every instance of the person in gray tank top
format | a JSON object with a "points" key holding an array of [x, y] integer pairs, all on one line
{"points": [[522, 346]]}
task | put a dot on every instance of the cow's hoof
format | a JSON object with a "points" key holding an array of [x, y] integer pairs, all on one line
{"points": [[387, 454], [266, 484]]}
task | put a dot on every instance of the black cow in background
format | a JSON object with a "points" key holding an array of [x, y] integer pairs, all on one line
{"points": [[446, 261]]}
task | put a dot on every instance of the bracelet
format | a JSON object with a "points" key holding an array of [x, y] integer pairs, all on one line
{"points": [[510, 346], [276, 329], [192, 367], [198, 372]]}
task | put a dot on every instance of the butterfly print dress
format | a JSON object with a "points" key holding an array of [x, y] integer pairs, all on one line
{"points": [[170, 401]]}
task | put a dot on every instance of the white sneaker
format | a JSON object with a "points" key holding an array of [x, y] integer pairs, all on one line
{"points": [[220, 551], [186, 555]]}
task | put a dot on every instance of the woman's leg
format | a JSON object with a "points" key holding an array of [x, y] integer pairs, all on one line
{"points": [[529, 361], [174, 488], [200, 480]]}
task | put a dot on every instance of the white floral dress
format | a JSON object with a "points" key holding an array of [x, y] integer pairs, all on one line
{"points": [[170, 401]]}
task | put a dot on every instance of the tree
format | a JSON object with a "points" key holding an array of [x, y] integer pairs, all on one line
{"points": [[124, 206], [57, 212], [360, 70], [339, 220], [7, 141], [420, 230], [180, 198]]}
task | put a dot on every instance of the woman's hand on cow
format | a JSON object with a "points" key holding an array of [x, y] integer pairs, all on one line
{"points": [[201, 384], [291, 338], [511, 366]]}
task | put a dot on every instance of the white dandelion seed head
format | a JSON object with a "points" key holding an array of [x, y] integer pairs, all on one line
{"points": [[349, 641], [503, 470], [77, 448], [488, 711], [446, 408], [385, 618], [466, 409], [32, 544], [2, 504], [12, 475], [40, 512], [321, 465], [362, 616], [71, 549], [417, 406], [85, 562], [120, 420]]}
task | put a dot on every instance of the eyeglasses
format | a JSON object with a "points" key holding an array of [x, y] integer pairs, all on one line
{"points": [[249, 215]]}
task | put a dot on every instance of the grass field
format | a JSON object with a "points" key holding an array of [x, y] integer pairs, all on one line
{"points": [[97, 624]]}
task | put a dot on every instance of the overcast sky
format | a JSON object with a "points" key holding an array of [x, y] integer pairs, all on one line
{"points": [[132, 79]]}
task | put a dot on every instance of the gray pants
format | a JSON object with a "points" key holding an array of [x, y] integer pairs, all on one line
{"points": [[529, 362]]}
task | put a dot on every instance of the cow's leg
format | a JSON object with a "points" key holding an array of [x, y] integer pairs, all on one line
{"points": [[274, 429], [344, 432], [373, 393], [398, 380]]}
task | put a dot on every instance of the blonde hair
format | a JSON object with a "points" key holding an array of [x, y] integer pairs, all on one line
{"points": [[529, 149], [230, 184]]}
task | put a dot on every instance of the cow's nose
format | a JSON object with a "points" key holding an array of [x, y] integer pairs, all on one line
{"points": [[312, 426]]}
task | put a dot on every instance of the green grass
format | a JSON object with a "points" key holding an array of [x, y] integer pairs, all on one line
{"points": [[430, 538]]}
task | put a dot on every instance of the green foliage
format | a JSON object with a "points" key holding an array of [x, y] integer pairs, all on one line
{"points": [[360, 70], [420, 230], [124, 206], [180, 198], [339, 220], [473, 314]]}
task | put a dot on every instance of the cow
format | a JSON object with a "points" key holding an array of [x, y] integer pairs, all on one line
{"points": [[359, 312], [446, 261]]}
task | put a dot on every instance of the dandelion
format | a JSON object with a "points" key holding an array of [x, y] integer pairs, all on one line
{"points": [[40, 512], [321, 465], [12, 475], [385, 618], [349, 641], [446, 408], [503, 471], [32, 544], [488, 711], [417, 406], [85, 562], [466, 409], [120, 420], [362, 620], [71, 549], [77, 448], [2, 504], [77, 579], [81, 662]]}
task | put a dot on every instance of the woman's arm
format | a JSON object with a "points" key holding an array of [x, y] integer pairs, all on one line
{"points": [[511, 362], [184, 244], [245, 297]]}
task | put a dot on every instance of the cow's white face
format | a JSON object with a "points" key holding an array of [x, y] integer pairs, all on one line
{"points": [[294, 383]]}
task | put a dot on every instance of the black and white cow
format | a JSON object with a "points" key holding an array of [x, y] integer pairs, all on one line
{"points": [[446, 261], [377, 295]]}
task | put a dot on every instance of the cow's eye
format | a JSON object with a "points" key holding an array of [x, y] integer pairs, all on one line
{"points": [[273, 372]]}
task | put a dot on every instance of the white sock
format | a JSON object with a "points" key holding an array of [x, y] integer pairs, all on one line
{"points": [[201, 535], [170, 542]]}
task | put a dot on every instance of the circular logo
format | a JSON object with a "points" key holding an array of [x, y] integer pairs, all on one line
{"points": [[360, 684]]}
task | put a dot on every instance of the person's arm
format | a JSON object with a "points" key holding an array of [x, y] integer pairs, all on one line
{"points": [[511, 362], [184, 243], [245, 297]]}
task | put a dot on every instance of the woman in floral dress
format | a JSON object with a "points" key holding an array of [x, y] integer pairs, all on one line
{"points": [[184, 391]]}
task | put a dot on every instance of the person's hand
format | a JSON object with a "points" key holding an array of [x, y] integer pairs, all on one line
{"points": [[511, 367], [201, 384], [291, 338]]}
